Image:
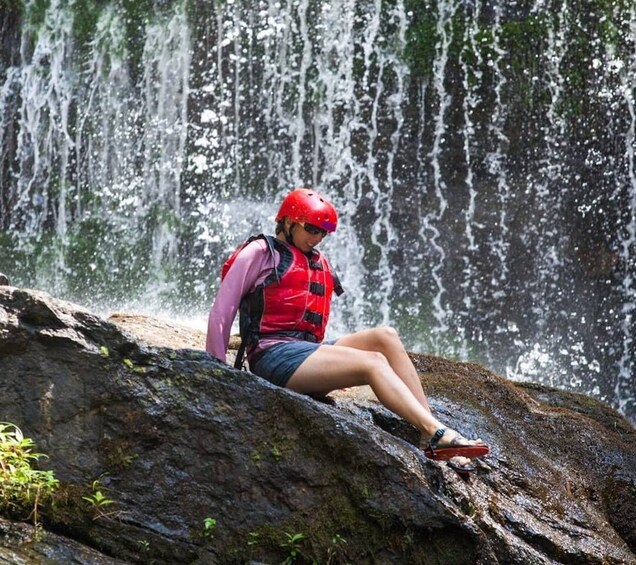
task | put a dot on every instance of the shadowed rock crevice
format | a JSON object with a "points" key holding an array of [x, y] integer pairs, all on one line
{"points": [[174, 437]]}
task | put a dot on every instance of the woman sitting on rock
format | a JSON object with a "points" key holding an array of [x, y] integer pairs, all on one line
{"points": [[283, 287]]}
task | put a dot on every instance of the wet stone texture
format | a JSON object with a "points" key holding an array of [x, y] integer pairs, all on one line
{"points": [[174, 437], [22, 544]]}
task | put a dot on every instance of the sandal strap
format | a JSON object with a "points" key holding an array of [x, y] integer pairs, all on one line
{"points": [[434, 441]]}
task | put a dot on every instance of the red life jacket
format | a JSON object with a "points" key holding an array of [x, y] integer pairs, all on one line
{"points": [[293, 300]]}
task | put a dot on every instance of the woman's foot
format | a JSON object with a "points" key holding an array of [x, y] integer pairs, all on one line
{"points": [[447, 443], [452, 438]]}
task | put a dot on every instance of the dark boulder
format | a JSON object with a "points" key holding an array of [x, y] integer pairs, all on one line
{"points": [[206, 464], [24, 545]]}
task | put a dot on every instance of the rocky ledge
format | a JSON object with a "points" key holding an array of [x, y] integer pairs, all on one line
{"points": [[202, 463]]}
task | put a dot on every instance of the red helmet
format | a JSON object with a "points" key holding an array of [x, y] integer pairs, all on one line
{"points": [[304, 205]]}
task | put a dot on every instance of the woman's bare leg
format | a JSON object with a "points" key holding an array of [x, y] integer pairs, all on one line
{"points": [[386, 340], [332, 367]]}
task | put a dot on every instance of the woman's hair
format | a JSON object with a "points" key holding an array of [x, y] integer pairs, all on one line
{"points": [[280, 226]]}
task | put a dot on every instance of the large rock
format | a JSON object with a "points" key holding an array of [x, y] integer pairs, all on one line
{"points": [[22, 544], [176, 437]]}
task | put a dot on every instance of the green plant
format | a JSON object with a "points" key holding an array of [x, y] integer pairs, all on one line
{"points": [[335, 553], [252, 538], [292, 545], [22, 488], [99, 501], [209, 526], [145, 544]]}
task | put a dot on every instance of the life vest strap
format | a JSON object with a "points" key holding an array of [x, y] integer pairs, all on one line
{"points": [[304, 336]]}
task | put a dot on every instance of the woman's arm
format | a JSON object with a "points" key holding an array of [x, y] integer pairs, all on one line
{"points": [[249, 269]]}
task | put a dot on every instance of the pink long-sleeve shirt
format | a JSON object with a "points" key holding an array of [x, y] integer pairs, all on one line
{"points": [[250, 268]]}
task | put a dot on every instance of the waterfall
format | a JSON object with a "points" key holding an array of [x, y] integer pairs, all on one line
{"points": [[471, 101], [480, 154], [429, 230], [309, 55], [547, 186], [624, 389]]}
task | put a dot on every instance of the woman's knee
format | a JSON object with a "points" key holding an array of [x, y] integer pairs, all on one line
{"points": [[386, 337], [375, 364], [383, 339]]}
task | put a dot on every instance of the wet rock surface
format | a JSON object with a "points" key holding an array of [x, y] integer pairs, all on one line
{"points": [[21, 544], [174, 437]]}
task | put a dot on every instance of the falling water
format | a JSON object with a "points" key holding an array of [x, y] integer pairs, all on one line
{"points": [[310, 55], [624, 389], [484, 210], [471, 77], [429, 226]]}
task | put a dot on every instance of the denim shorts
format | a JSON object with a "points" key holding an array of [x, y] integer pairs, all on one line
{"points": [[279, 362]]}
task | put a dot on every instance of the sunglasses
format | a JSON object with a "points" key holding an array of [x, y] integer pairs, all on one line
{"points": [[314, 230]]}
